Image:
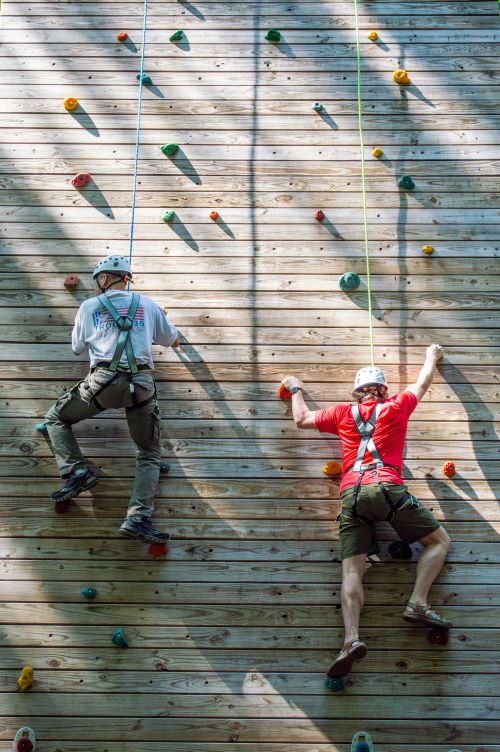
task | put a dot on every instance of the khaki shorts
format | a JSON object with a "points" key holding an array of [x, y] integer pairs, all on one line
{"points": [[411, 521]]}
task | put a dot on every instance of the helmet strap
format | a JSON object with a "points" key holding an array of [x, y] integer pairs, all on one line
{"points": [[117, 282]]}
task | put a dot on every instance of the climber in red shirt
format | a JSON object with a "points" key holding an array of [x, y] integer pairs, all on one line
{"points": [[372, 434]]}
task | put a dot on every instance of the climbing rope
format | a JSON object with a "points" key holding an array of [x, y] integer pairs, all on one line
{"points": [[138, 131], [363, 181]]}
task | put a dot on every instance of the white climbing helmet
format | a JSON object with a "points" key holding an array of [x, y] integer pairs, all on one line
{"points": [[113, 264], [367, 376]]}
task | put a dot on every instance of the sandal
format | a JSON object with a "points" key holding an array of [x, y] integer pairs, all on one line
{"points": [[425, 615], [24, 740], [353, 651], [361, 742]]}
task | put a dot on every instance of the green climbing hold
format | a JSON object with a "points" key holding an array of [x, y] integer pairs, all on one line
{"points": [[144, 79], [406, 182], [164, 467], [177, 36], [273, 35], [119, 638], [335, 684], [169, 149], [400, 550], [317, 107], [169, 215], [89, 592], [41, 427], [349, 281]]}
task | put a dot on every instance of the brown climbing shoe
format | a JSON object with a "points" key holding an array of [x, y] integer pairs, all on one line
{"points": [[425, 615], [353, 651]]}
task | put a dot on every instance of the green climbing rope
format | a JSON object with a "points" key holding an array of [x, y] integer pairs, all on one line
{"points": [[363, 181]]}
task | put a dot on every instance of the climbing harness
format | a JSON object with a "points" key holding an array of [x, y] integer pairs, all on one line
{"points": [[363, 181], [138, 130], [365, 430]]}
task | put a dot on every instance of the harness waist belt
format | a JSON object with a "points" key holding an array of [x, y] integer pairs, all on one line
{"points": [[106, 364]]}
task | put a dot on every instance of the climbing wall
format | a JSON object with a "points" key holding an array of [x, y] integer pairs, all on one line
{"points": [[231, 634]]}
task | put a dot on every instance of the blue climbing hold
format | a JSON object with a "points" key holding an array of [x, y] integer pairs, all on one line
{"points": [[335, 684], [317, 107], [349, 281], [119, 638], [89, 592], [406, 182], [41, 427], [144, 79]]}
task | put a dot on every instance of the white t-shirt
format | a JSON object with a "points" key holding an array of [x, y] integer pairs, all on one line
{"points": [[96, 329]]}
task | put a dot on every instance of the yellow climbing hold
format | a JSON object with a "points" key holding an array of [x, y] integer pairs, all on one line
{"points": [[401, 77], [428, 249], [332, 468], [372, 36], [70, 103], [377, 153], [25, 679]]}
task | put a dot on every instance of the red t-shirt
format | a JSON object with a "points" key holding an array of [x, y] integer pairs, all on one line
{"points": [[388, 436]]}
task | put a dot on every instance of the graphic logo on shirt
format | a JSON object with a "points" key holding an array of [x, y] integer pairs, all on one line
{"points": [[104, 323]]}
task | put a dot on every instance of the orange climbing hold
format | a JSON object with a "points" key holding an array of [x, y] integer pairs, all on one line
{"points": [[332, 468], [377, 152], [284, 393], [72, 281], [449, 469], [26, 678], [428, 249], [70, 103], [214, 215], [401, 77], [122, 36], [157, 550], [372, 36]]}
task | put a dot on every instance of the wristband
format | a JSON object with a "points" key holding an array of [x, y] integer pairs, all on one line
{"points": [[295, 389]]}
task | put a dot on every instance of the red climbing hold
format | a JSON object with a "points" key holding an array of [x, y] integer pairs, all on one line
{"points": [[214, 215], [157, 550], [122, 36], [284, 393], [81, 180], [61, 507], [72, 281], [24, 745], [320, 215], [438, 636], [449, 469]]}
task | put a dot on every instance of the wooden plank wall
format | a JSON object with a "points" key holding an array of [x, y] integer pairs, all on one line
{"points": [[230, 636]]}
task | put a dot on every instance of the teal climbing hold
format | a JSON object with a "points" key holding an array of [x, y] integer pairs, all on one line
{"points": [[406, 182], [164, 467], [119, 638], [41, 427], [89, 592], [169, 215], [176, 36], [273, 35], [169, 149], [335, 684], [144, 79], [317, 107], [349, 281]]}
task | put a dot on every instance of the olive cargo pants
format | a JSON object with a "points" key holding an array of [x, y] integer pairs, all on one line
{"points": [[102, 390]]}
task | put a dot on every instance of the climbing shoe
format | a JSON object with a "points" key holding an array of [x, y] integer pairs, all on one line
{"points": [[78, 481], [353, 651], [425, 615], [138, 526]]}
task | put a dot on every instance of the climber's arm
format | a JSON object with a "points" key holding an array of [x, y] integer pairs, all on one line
{"points": [[433, 354], [303, 417]]}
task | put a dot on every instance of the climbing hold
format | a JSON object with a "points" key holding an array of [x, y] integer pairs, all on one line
{"points": [[406, 182], [335, 684], [400, 550], [71, 282], [284, 393], [332, 468], [401, 77], [26, 678], [61, 507], [317, 107], [176, 36], [144, 79], [214, 215], [320, 215], [81, 180], [438, 636], [164, 467], [377, 153], [119, 638], [372, 36], [349, 281], [122, 36], [158, 549], [361, 742], [24, 740], [428, 249], [169, 215], [89, 592], [449, 469], [273, 35], [70, 103], [169, 149], [41, 427]]}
